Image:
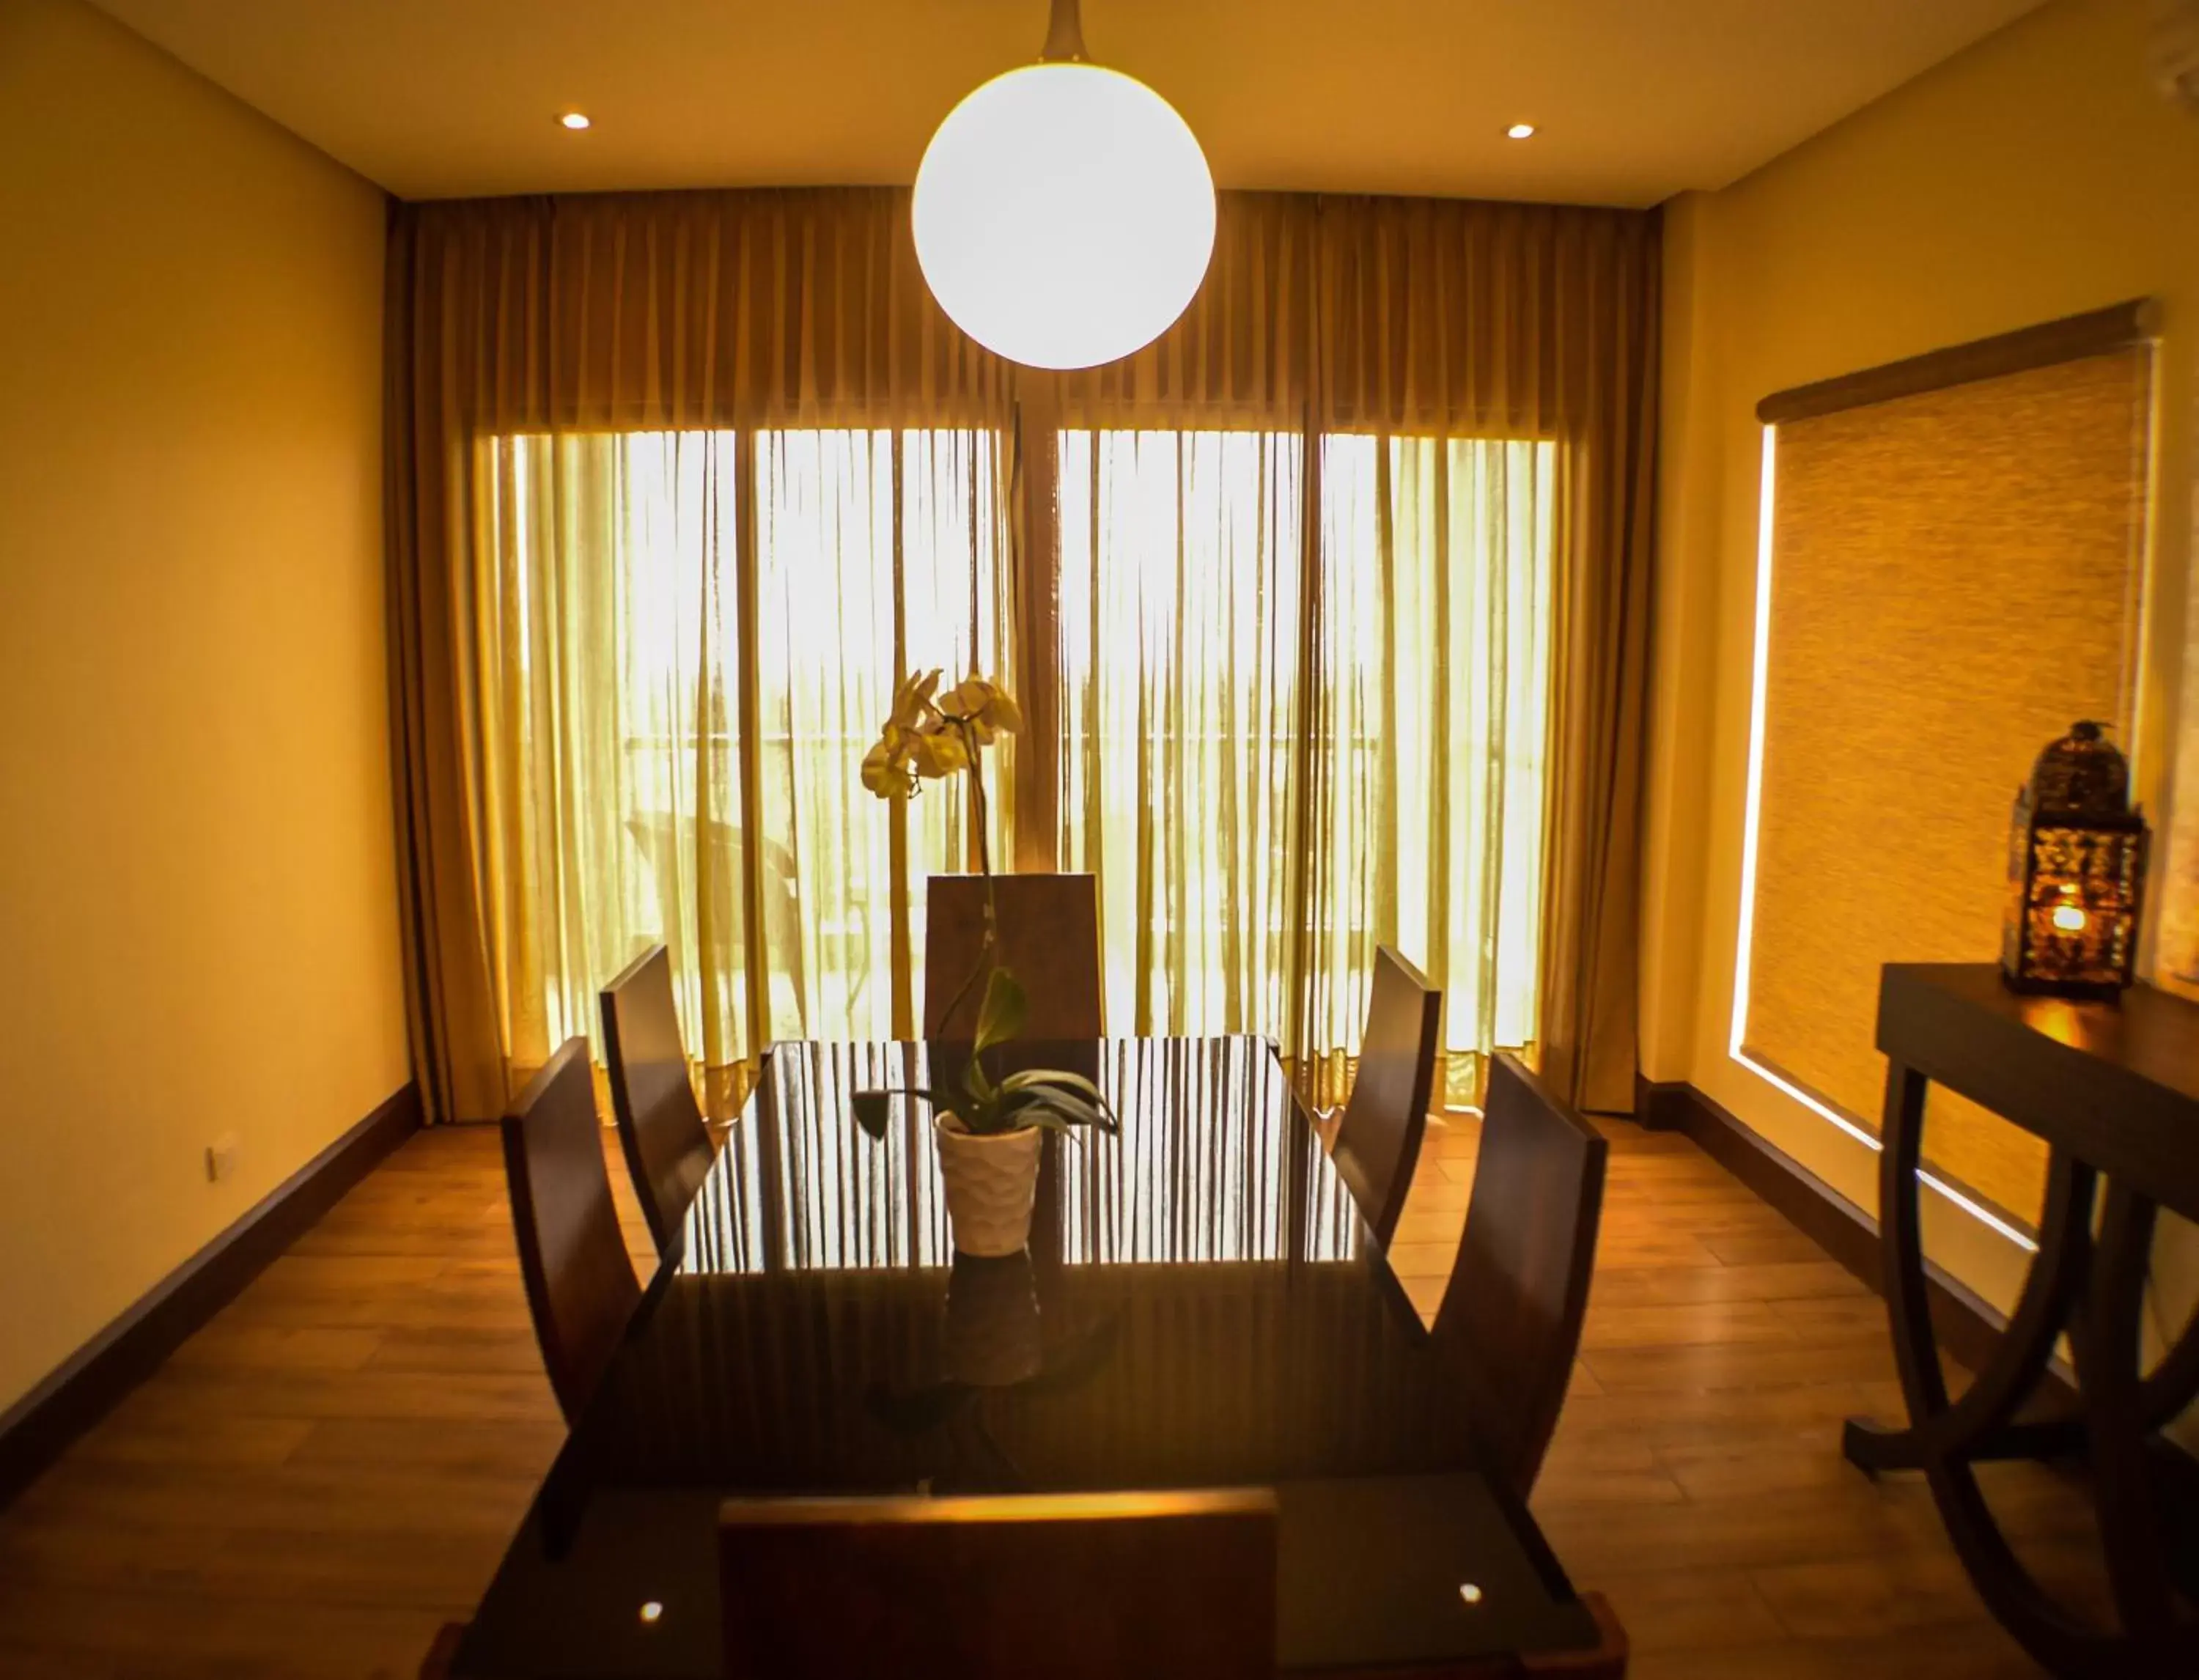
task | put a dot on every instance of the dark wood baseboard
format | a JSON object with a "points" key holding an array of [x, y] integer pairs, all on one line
{"points": [[37, 1429], [1661, 1106], [1968, 1326]]}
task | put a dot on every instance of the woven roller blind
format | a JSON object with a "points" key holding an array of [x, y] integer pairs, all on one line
{"points": [[1954, 582]]}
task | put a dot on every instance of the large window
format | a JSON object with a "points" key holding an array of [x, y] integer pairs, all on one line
{"points": [[694, 636], [1950, 578], [1277, 747], [1271, 773]]}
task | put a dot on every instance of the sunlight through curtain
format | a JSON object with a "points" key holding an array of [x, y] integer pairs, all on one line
{"points": [[671, 750], [1179, 690], [1394, 794], [1328, 612]]}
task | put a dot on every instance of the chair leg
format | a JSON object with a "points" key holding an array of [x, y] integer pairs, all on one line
{"points": [[436, 1665]]}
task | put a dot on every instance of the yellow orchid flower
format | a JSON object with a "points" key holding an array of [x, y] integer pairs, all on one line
{"points": [[937, 751], [927, 738], [913, 706], [886, 771], [989, 709]]}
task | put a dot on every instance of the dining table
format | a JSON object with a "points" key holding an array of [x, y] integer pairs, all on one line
{"points": [[1200, 1305]]}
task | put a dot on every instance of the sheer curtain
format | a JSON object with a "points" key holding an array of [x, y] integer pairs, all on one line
{"points": [[1473, 390], [1259, 824], [1436, 652], [1328, 611], [689, 638], [1178, 591]]}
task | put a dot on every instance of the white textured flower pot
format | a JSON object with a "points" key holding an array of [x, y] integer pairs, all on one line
{"points": [[991, 1182]]}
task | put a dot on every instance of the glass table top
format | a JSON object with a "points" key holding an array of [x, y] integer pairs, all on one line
{"points": [[1200, 1305]]}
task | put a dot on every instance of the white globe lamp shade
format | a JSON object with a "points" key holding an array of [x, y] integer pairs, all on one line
{"points": [[1065, 215]]}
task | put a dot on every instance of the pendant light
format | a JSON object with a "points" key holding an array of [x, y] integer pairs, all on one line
{"points": [[1064, 214]]}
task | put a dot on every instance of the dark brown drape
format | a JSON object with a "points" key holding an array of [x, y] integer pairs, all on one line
{"points": [[674, 310]]}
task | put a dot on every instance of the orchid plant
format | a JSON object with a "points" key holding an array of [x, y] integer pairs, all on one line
{"points": [[1052, 1098], [928, 738]]}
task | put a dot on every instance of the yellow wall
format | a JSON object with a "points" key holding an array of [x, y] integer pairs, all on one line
{"points": [[2036, 175], [198, 923]]}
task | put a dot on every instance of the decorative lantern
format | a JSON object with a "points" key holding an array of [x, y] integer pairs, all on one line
{"points": [[2076, 873]]}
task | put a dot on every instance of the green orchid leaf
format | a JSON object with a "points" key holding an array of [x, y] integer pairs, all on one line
{"points": [[1104, 1114], [1062, 1082], [872, 1112], [873, 1109], [1067, 1108], [1046, 1117], [1067, 1101], [1054, 1121], [1001, 1017], [980, 1090], [1075, 1082]]}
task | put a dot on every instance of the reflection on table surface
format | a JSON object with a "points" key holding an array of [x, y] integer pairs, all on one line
{"points": [[1215, 1162], [1200, 1305]]}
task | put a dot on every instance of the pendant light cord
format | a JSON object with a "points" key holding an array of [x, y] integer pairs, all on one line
{"points": [[1064, 35]]}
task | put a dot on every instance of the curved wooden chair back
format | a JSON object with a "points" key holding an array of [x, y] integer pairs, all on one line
{"points": [[581, 1286], [1378, 1141], [1511, 1312], [660, 1123], [1165, 1586], [1048, 939]]}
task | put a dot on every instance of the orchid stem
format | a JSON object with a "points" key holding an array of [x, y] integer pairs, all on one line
{"points": [[983, 818], [984, 864]]}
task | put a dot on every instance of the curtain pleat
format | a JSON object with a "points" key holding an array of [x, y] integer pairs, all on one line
{"points": [[455, 1039], [1394, 460]]}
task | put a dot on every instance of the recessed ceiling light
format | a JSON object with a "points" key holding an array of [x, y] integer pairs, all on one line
{"points": [[652, 1613], [575, 120], [1521, 132]]}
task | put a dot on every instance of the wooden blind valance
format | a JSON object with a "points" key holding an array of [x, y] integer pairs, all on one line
{"points": [[2095, 332]]}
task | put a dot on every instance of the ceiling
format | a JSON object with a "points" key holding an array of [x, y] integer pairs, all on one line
{"points": [[1635, 99]]}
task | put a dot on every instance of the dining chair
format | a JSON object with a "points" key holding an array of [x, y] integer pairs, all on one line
{"points": [[1378, 1141], [581, 1286], [1167, 1586], [437, 1664], [660, 1124], [1511, 1314], [1047, 936]]}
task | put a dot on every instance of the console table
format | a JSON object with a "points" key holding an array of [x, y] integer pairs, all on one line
{"points": [[2113, 1091]]}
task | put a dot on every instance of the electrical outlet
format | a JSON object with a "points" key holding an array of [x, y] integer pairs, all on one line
{"points": [[221, 1157]]}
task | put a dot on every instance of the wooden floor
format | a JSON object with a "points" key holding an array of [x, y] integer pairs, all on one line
{"points": [[333, 1466]]}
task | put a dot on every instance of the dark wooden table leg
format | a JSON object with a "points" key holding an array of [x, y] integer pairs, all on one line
{"points": [[1981, 1424], [2094, 1287], [2106, 1338], [2175, 1384], [1908, 1303]]}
